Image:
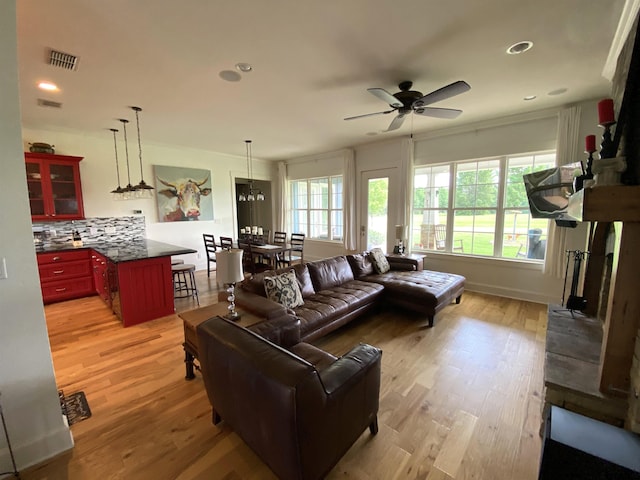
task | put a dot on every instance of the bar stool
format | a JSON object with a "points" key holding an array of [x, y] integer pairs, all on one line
{"points": [[176, 261], [184, 281]]}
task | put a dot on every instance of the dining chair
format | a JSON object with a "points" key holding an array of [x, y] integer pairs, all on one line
{"points": [[297, 248], [226, 243], [210, 248], [295, 254], [280, 238], [251, 262]]}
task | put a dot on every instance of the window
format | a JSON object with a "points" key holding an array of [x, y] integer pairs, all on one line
{"points": [[479, 208], [316, 207]]}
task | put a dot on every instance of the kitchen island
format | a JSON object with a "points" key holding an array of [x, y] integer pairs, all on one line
{"points": [[133, 278]]}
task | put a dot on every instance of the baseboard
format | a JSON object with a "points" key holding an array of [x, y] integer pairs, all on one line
{"points": [[40, 450], [510, 293]]}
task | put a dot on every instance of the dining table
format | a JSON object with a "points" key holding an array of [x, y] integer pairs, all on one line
{"points": [[268, 251]]}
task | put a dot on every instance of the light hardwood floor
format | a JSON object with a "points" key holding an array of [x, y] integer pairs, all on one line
{"points": [[461, 400]]}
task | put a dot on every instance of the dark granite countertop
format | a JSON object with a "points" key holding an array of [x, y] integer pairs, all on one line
{"points": [[125, 251]]}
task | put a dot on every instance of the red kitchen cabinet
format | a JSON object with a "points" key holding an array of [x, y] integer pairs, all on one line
{"points": [[55, 191], [143, 290], [65, 275]]}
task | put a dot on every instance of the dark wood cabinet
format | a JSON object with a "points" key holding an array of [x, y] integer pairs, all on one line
{"points": [[65, 275], [55, 191]]}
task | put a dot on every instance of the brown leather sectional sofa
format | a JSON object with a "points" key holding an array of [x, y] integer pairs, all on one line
{"points": [[298, 407], [337, 289]]}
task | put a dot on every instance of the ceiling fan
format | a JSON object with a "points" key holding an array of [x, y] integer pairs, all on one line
{"points": [[407, 101]]}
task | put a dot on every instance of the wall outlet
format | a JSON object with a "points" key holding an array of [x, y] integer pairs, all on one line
{"points": [[93, 231], [110, 229]]}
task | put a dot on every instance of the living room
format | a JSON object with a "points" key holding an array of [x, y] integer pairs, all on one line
{"points": [[490, 276]]}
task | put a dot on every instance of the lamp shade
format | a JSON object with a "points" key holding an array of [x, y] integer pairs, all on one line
{"points": [[229, 265], [401, 232]]}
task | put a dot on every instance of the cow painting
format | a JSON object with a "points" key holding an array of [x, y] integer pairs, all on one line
{"points": [[180, 200]]}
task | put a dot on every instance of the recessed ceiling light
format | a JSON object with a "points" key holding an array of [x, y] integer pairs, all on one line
{"points": [[50, 87], [519, 47], [244, 67], [558, 91], [230, 76], [530, 97]]}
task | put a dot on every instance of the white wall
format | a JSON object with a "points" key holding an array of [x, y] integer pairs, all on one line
{"points": [[27, 383], [98, 175]]}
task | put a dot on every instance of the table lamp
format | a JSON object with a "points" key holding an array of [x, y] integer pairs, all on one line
{"points": [[401, 235], [229, 271]]}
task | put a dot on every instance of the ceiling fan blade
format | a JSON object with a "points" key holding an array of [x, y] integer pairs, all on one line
{"points": [[451, 90], [396, 123], [438, 112], [371, 114], [385, 96]]}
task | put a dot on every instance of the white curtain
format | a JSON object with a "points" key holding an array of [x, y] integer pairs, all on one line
{"points": [[567, 151], [406, 187], [349, 199], [282, 202]]}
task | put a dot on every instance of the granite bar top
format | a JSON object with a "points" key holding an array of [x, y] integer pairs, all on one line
{"points": [[125, 251]]}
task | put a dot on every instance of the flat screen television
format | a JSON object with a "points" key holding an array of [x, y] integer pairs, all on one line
{"points": [[548, 192]]}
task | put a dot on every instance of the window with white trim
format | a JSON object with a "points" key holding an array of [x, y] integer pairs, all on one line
{"points": [[479, 207], [316, 207]]}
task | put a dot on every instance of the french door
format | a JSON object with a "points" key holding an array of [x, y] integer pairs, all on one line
{"points": [[379, 209]]}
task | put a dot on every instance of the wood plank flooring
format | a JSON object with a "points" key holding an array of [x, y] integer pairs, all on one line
{"points": [[458, 401]]}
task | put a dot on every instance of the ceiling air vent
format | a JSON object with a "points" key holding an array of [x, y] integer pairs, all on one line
{"points": [[63, 60], [49, 103]]}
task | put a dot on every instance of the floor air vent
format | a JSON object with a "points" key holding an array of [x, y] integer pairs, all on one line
{"points": [[63, 60], [49, 103]]}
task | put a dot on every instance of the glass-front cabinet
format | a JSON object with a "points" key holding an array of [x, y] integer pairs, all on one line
{"points": [[55, 191]]}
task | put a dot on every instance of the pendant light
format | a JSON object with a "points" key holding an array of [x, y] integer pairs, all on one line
{"points": [[129, 190], [142, 190], [252, 195], [117, 193]]}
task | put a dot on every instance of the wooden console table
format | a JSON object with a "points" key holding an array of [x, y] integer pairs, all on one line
{"points": [[192, 318]]}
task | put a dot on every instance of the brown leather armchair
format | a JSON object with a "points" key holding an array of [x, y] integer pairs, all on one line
{"points": [[299, 408]]}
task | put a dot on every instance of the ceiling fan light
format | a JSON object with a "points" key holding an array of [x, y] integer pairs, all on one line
{"points": [[251, 197], [242, 197], [260, 196]]}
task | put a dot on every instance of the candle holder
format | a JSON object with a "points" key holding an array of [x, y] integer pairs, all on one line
{"points": [[607, 148]]}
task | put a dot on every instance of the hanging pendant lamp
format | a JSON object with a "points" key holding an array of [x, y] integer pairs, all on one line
{"points": [[142, 190], [253, 195], [129, 190], [117, 193]]}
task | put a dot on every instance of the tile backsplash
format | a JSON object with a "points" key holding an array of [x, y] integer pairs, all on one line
{"points": [[92, 230]]}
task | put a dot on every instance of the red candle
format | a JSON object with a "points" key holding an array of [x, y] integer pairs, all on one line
{"points": [[590, 143], [605, 112]]}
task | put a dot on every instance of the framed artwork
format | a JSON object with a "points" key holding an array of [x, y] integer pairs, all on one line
{"points": [[183, 194]]}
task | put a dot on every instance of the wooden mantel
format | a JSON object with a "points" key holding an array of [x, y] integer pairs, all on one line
{"points": [[607, 204]]}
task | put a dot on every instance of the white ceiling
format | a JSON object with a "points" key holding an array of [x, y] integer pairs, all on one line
{"points": [[313, 62]]}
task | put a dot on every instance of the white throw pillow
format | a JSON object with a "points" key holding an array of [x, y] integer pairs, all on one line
{"points": [[284, 289], [379, 260]]}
